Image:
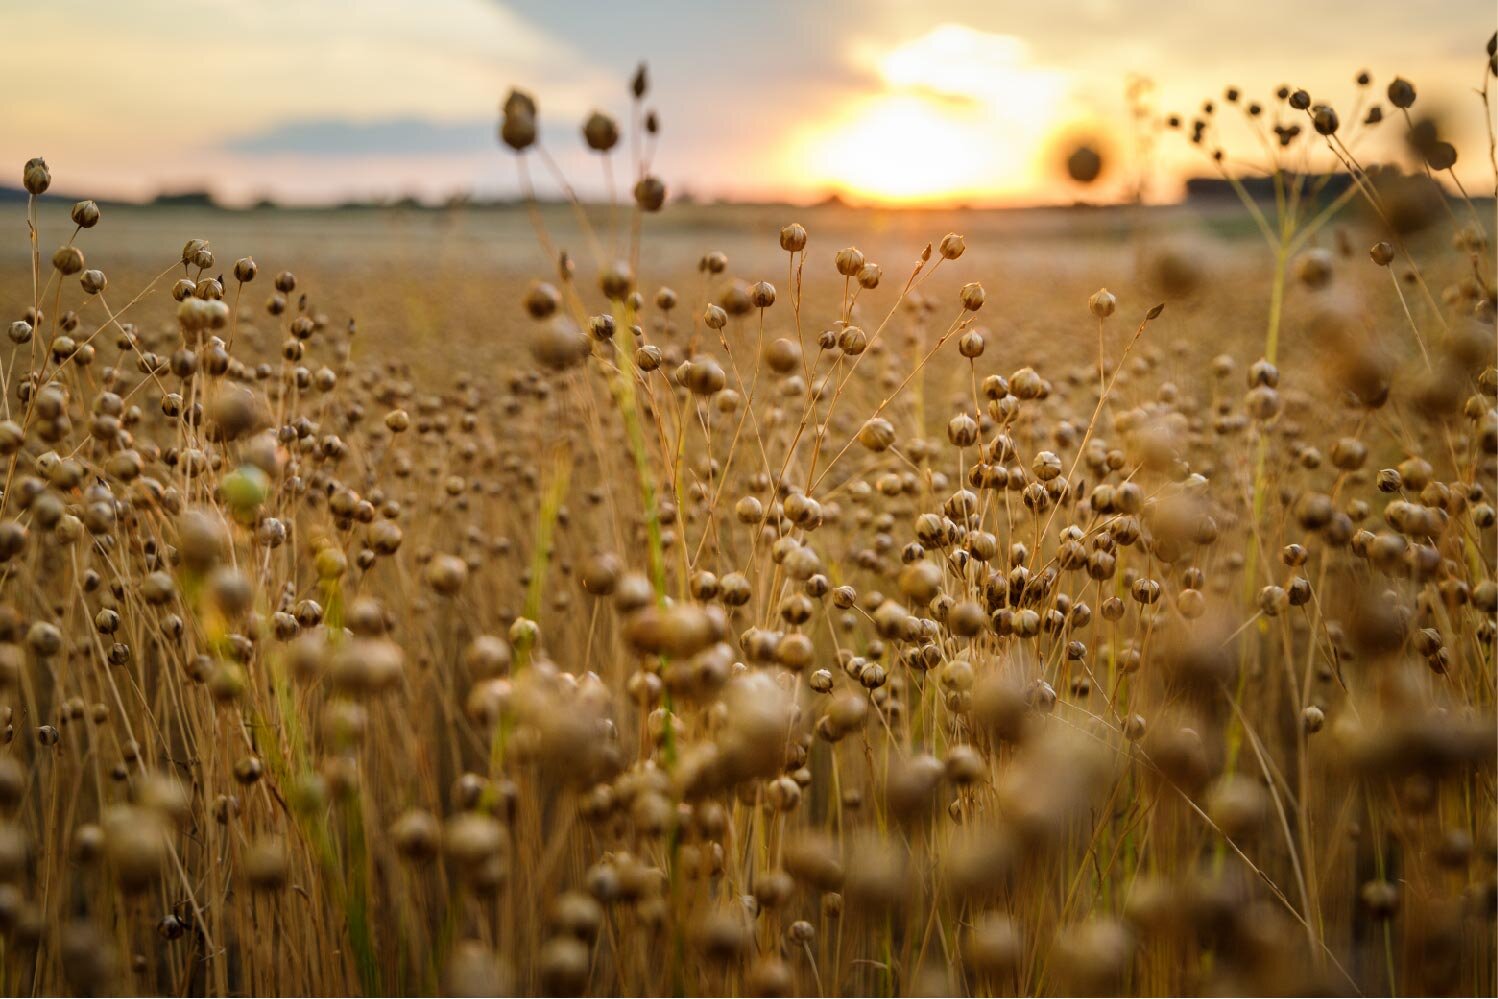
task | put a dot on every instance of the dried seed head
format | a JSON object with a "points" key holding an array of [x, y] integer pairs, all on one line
{"points": [[1102, 304], [471, 838], [1084, 164], [266, 864], [783, 356], [563, 966], [446, 574], [793, 238], [952, 246], [559, 345], [85, 214], [474, 970], [849, 261], [417, 834], [1441, 155], [877, 434], [601, 574], [517, 128], [650, 193], [1238, 806], [971, 297], [35, 176], [993, 948], [68, 260], [1401, 93], [600, 132], [542, 299]]}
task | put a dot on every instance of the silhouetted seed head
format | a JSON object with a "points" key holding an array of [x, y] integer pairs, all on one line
{"points": [[1084, 164], [1401, 93], [1441, 155], [518, 128]]}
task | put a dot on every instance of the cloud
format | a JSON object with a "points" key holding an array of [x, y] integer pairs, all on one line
{"points": [[381, 137]]}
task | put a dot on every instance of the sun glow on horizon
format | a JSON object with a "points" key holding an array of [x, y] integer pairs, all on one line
{"points": [[965, 116]]}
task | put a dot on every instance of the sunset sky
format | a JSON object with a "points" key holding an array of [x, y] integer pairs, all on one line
{"points": [[896, 102]]}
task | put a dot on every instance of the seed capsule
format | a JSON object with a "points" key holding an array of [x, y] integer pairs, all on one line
{"points": [[793, 238], [1401, 93], [972, 296], [85, 214], [35, 177], [1102, 304], [600, 132]]}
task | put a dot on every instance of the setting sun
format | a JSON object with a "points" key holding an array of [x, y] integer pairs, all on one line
{"points": [[964, 114]]}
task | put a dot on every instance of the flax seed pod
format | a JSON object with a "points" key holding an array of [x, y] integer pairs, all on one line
{"points": [[35, 176], [849, 261], [1102, 304], [600, 132], [972, 296], [650, 193]]}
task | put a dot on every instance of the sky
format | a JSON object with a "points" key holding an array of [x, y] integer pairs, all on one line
{"points": [[885, 101]]}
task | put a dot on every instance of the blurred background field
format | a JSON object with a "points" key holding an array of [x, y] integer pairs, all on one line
{"points": [[438, 287]]}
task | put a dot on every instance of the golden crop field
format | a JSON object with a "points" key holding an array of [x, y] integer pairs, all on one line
{"points": [[720, 599]]}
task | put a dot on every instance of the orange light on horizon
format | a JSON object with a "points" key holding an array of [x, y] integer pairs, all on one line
{"points": [[965, 116]]}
